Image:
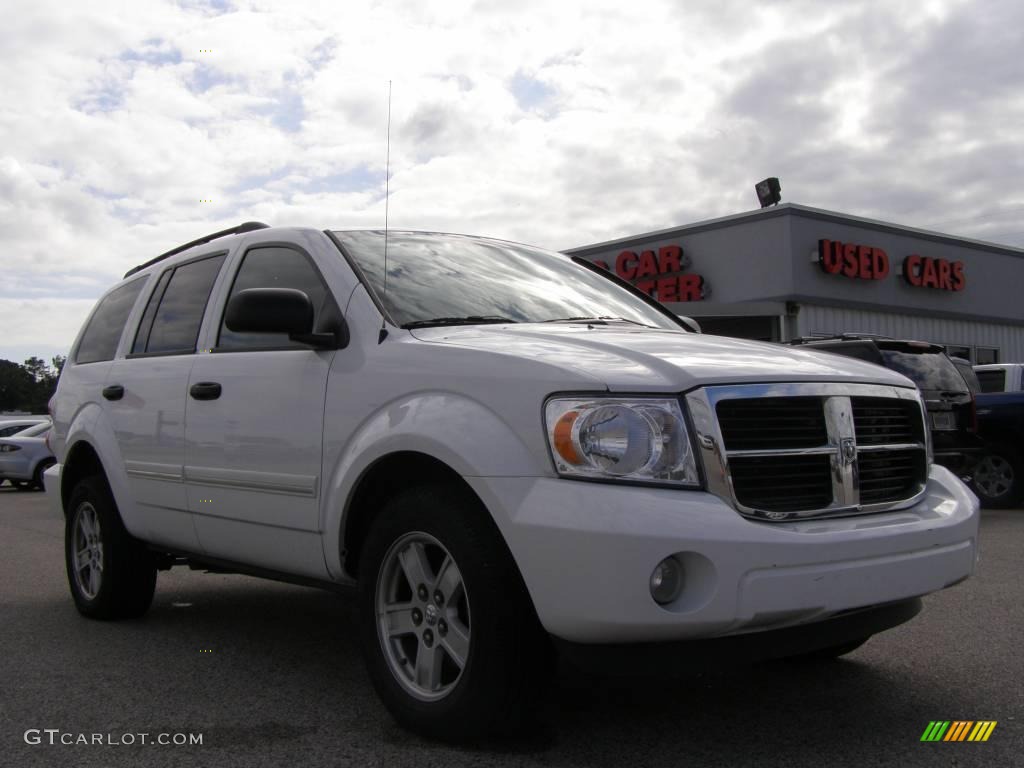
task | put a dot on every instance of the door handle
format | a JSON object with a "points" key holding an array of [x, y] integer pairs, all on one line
{"points": [[113, 392], [205, 390]]}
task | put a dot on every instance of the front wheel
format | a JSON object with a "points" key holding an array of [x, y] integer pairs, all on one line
{"points": [[111, 574], [450, 638]]}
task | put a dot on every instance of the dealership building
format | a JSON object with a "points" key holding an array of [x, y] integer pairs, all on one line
{"points": [[788, 271]]}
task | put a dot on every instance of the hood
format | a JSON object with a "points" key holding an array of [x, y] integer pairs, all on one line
{"points": [[633, 359]]}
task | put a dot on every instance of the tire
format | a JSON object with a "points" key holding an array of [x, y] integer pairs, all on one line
{"points": [[482, 642], [111, 574], [998, 478], [37, 476], [832, 652]]}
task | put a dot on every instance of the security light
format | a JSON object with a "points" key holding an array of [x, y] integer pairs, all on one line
{"points": [[769, 191]]}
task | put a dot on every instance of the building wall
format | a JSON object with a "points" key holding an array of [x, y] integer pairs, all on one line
{"points": [[814, 320]]}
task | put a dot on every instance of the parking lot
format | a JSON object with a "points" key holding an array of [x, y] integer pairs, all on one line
{"points": [[270, 674]]}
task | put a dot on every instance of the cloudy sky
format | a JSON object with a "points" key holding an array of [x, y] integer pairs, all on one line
{"points": [[127, 128]]}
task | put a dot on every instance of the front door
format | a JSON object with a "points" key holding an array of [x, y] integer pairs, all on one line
{"points": [[254, 431]]}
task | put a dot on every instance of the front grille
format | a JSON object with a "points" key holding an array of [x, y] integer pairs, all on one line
{"points": [[772, 422], [801, 450], [889, 475], [884, 421], [782, 483]]}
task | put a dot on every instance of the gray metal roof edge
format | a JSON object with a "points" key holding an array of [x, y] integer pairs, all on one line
{"points": [[784, 209]]}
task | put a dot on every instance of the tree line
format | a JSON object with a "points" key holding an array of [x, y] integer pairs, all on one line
{"points": [[29, 386]]}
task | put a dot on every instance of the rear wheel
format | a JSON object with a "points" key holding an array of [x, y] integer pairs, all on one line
{"points": [[450, 637], [998, 478], [111, 574]]}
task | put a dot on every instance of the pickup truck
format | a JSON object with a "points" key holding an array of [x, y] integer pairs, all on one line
{"points": [[999, 475], [506, 452], [1001, 377]]}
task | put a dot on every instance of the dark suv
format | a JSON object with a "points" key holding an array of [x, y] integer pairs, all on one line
{"points": [[949, 399]]}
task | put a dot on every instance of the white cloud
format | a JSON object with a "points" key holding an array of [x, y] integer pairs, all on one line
{"points": [[555, 123]]}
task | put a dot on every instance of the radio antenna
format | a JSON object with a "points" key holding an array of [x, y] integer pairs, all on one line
{"points": [[387, 199]]}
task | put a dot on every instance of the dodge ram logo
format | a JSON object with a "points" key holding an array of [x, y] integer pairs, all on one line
{"points": [[847, 451]]}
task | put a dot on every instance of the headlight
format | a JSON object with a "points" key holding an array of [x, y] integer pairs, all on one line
{"points": [[638, 439]]}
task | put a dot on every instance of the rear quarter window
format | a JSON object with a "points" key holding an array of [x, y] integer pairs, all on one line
{"points": [[103, 332]]}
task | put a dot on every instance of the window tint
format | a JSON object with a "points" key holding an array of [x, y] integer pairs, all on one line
{"points": [[987, 356], [275, 268], [8, 431], [99, 342], [180, 313], [142, 335], [930, 371], [992, 381]]}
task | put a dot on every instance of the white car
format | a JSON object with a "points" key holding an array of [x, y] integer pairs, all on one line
{"points": [[12, 426], [25, 456], [508, 451], [1001, 377]]}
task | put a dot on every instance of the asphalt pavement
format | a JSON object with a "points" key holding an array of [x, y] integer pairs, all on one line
{"points": [[270, 675]]}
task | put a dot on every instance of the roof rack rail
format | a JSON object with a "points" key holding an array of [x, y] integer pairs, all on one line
{"points": [[847, 335], [248, 226]]}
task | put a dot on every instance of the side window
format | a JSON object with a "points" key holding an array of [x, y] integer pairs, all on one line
{"points": [[8, 431], [146, 325], [179, 312], [275, 267], [99, 342]]}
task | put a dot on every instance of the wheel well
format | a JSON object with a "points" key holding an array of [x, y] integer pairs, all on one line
{"points": [[82, 461], [384, 479]]}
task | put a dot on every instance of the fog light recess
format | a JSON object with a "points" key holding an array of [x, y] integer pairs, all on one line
{"points": [[666, 581]]}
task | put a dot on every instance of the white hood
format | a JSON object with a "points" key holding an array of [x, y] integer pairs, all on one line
{"points": [[634, 359]]}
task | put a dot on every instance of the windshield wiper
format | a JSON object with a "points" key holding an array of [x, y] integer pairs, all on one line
{"points": [[596, 319], [467, 320]]}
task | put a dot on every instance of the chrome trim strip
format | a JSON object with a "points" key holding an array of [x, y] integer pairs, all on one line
{"points": [[841, 435], [891, 447], [243, 480], [146, 470]]}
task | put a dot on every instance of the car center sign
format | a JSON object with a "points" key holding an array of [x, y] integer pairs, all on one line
{"points": [[865, 262], [661, 274]]}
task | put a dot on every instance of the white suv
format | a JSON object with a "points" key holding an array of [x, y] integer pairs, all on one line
{"points": [[510, 453]]}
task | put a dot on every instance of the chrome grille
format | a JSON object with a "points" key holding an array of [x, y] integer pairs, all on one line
{"points": [[793, 451]]}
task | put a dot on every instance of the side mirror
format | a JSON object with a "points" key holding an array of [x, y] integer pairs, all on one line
{"points": [[277, 310], [690, 323]]}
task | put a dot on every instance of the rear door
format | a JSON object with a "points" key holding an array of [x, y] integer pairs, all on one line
{"points": [[254, 427], [145, 399]]}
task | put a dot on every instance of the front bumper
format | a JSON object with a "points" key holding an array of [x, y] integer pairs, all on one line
{"points": [[587, 550]]}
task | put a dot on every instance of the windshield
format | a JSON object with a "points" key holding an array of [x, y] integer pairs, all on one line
{"points": [[432, 276], [929, 370]]}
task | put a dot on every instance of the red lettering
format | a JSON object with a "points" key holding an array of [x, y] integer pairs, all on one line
{"points": [[880, 263], [864, 262], [827, 257], [648, 266], [959, 280], [601, 263], [669, 260], [691, 288], [850, 260], [667, 289], [929, 277], [911, 269], [647, 286], [625, 265], [944, 281]]}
